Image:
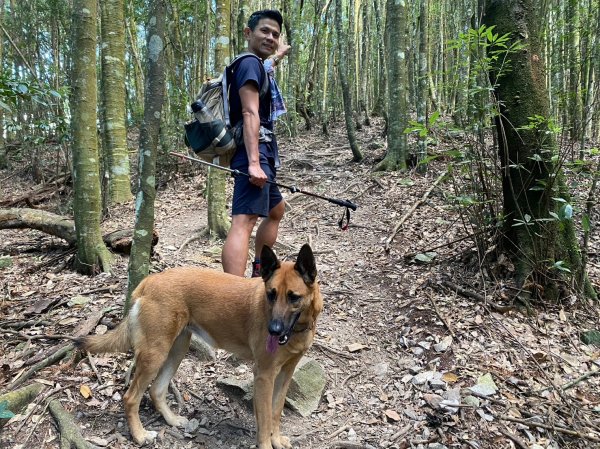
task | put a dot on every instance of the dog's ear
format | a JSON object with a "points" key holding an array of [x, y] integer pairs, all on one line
{"points": [[268, 263], [305, 264]]}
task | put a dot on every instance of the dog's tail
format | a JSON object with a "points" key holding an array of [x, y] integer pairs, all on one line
{"points": [[116, 340]]}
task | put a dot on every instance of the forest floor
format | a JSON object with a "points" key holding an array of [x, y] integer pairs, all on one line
{"points": [[423, 355]]}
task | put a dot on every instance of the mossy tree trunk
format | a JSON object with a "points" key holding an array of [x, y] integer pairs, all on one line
{"points": [[543, 246], [139, 261], [92, 255], [346, 90], [218, 223], [114, 95], [397, 66]]}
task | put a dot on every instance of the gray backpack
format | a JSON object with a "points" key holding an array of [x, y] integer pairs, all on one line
{"points": [[209, 134]]}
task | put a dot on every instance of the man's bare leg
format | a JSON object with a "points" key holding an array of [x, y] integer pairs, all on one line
{"points": [[267, 231], [234, 255]]}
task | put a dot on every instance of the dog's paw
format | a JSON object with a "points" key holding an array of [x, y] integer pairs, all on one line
{"points": [[147, 437], [177, 421], [281, 442]]}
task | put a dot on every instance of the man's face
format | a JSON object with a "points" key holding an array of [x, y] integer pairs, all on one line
{"points": [[264, 39]]}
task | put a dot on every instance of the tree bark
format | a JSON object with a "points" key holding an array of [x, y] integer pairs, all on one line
{"points": [[114, 95], [218, 222], [139, 262], [92, 255], [346, 92], [396, 40], [531, 181]]}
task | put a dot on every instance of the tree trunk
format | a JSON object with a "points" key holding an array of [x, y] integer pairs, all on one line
{"points": [[218, 222], [113, 93], [422, 92], [92, 255], [543, 245], [346, 92], [396, 39], [139, 262]]}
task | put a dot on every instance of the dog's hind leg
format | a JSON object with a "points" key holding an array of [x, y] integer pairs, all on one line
{"points": [[147, 365], [282, 383], [160, 386]]}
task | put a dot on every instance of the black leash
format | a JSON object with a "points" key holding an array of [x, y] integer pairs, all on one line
{"points": [[344, 222]]}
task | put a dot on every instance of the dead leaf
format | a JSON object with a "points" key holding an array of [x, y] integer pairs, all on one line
{"points": [[393, 415], [449, 378], [355, 347], [85, 391]]}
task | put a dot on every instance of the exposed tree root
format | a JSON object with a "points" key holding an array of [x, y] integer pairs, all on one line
{"points": [[70, 436], [19, 399]]}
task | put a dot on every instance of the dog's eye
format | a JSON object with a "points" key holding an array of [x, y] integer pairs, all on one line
{"points": [[294, 297], [272, 295]]}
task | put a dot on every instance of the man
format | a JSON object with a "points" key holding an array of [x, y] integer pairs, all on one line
{"points": [[253, 197]]}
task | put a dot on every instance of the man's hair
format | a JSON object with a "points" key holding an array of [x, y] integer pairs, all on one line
{"points": [[256, 17]]}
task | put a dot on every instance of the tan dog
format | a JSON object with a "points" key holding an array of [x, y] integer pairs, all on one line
{"points": [[271, 321]]}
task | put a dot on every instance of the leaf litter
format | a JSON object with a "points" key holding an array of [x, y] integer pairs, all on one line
{"points": [[410, 362]]}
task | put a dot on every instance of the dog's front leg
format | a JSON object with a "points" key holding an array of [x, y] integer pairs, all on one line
{"points": [[264, 379], [282, 383]]}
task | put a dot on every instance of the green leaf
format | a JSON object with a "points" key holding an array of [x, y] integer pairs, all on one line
{"points": [[560, 265]]}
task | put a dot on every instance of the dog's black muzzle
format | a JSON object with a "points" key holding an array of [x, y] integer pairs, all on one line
{"points": [[277, 329]]}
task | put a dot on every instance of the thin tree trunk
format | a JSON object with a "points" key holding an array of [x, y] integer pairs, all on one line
{"points": [[139, 261], [218, 223], [397, 145], [113, 92], [346, 92], [92, 255]]}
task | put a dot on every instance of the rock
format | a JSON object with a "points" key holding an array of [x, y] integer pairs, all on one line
{"points": [[239, 387], [485, 386], [202, 350], [437, 384], [471, 400], [425, 344], [192, 425], [451, 397], [304, 393], [443, 345], [433, 400], [306, 387], [381, 369], [417, 350], [436, 446], [352, 435]]}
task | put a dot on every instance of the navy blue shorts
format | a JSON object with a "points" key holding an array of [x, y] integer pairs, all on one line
{"points": [[249, 199]]}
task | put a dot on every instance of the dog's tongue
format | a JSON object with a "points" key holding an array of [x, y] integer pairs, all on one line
{"points": [[272, 344]]}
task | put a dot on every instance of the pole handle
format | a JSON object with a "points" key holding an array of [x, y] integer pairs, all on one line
{"points": [[343, 203]]}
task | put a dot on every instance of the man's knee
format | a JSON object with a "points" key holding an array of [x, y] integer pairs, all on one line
{"points": [[243, 223], [277, 212]]}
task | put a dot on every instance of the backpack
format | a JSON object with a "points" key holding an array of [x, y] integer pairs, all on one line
{"points": [[209, 134]]}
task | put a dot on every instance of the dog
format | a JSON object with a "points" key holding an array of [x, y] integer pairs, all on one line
{"points": [[270, 320]]}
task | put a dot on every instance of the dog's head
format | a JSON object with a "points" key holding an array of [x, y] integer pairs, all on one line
{"points": [[292, 294]]}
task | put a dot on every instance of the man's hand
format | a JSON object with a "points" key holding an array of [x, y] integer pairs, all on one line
{"points": [[257, 175], [282, 50]]}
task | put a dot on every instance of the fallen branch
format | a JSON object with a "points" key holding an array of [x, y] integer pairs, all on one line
{"points": [[560, 429], [414, 207], [439, 314], [53, 224], [580, 379], [69, 431], [55, 357], [469, 294]]}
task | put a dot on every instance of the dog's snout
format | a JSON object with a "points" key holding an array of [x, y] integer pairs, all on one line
{"points": [[276, 327]]}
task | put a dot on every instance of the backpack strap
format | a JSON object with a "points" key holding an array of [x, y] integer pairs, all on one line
{"points": [[264, 88]]}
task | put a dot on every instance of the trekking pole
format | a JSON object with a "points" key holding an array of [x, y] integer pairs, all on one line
{"points": [[293, 189]]}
